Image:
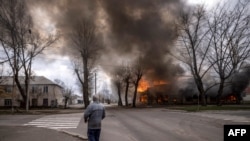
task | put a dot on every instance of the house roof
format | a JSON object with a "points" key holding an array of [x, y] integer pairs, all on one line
{"points": [[35, 80]]}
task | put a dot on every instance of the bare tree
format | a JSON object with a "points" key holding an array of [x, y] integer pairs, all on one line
{"points": [[20, 44], [230, 32], [67, 91], [67, 94], [122, 79], [118, 81], [84, 40], [9, 24], [137, 73], [127, 80], [194, 45]]}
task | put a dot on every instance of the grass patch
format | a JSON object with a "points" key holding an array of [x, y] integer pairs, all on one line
{"points": [[194, 108]]}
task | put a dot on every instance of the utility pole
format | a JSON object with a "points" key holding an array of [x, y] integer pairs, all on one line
{"points": [[12, 97], [198, 106], [95, 83]]}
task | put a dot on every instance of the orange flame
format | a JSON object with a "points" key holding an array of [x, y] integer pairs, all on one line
{"points": [[160, 82], [144, 84]]}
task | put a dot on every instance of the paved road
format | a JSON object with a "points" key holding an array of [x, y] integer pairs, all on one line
{"points": [[17, 120], [24, 127], [21, 133], [147, 124], [162, 125]]}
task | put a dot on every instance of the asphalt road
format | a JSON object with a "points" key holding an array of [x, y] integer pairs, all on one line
{"points": [[16, 120], [164, 125], [145, 124], [21, 133]]}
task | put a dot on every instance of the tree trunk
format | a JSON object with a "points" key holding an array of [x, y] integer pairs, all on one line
{"points": [[202, 95], [238, 99], [65, 103], [203, 99], [20, 88], [149, 98], [220, 92], [135, 94], [126, 93], [200, 88], [119, 95], [85, 84], [27, 96], [27, 83]]}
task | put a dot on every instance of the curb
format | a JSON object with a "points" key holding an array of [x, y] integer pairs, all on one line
{"points": [[75, 135]]}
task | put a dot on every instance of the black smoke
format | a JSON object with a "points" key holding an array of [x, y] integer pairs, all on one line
{"points": [[127, 29], [139, 28], [235, 85], [240, 83]]}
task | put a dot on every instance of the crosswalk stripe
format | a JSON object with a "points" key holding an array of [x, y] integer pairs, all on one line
{"points": [[57, 121]]}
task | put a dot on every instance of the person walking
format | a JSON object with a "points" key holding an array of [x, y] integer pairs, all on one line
{"points": [[94, 114]]}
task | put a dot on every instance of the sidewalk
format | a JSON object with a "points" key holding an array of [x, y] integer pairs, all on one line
{"points": [[223, 116], [80, 131]]}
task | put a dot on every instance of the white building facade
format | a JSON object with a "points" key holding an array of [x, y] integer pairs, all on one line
{"points": [[42, 93]]}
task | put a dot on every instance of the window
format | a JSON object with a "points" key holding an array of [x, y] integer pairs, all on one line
{"points": [[34, 102], [54, 103], [8, 89], [7, 102], [34, 89], [45, 102], [45, 89]]}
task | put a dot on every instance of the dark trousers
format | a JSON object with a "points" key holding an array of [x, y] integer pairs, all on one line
{"points": [[94, 134]]}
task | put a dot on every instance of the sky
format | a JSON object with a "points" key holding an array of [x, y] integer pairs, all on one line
{"points": [[55, 62], [208, 3], [57, 65]]}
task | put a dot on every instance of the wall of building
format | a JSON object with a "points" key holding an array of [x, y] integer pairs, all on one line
{"points": [[40, 95]]}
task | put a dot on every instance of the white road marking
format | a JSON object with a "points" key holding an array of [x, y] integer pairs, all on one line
{"points": [[60, 121]]}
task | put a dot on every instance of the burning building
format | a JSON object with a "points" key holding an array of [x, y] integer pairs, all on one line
{"points": [[157, 92], [183, 91]]}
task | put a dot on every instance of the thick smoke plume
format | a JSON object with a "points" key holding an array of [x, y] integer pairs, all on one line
{"points": [[236, 85], [145, 29], [127, 29]]}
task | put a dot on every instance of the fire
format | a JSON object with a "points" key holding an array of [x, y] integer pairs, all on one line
{"points": [[160, 82], [144, 99], [144, 84], [232, 98]]}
